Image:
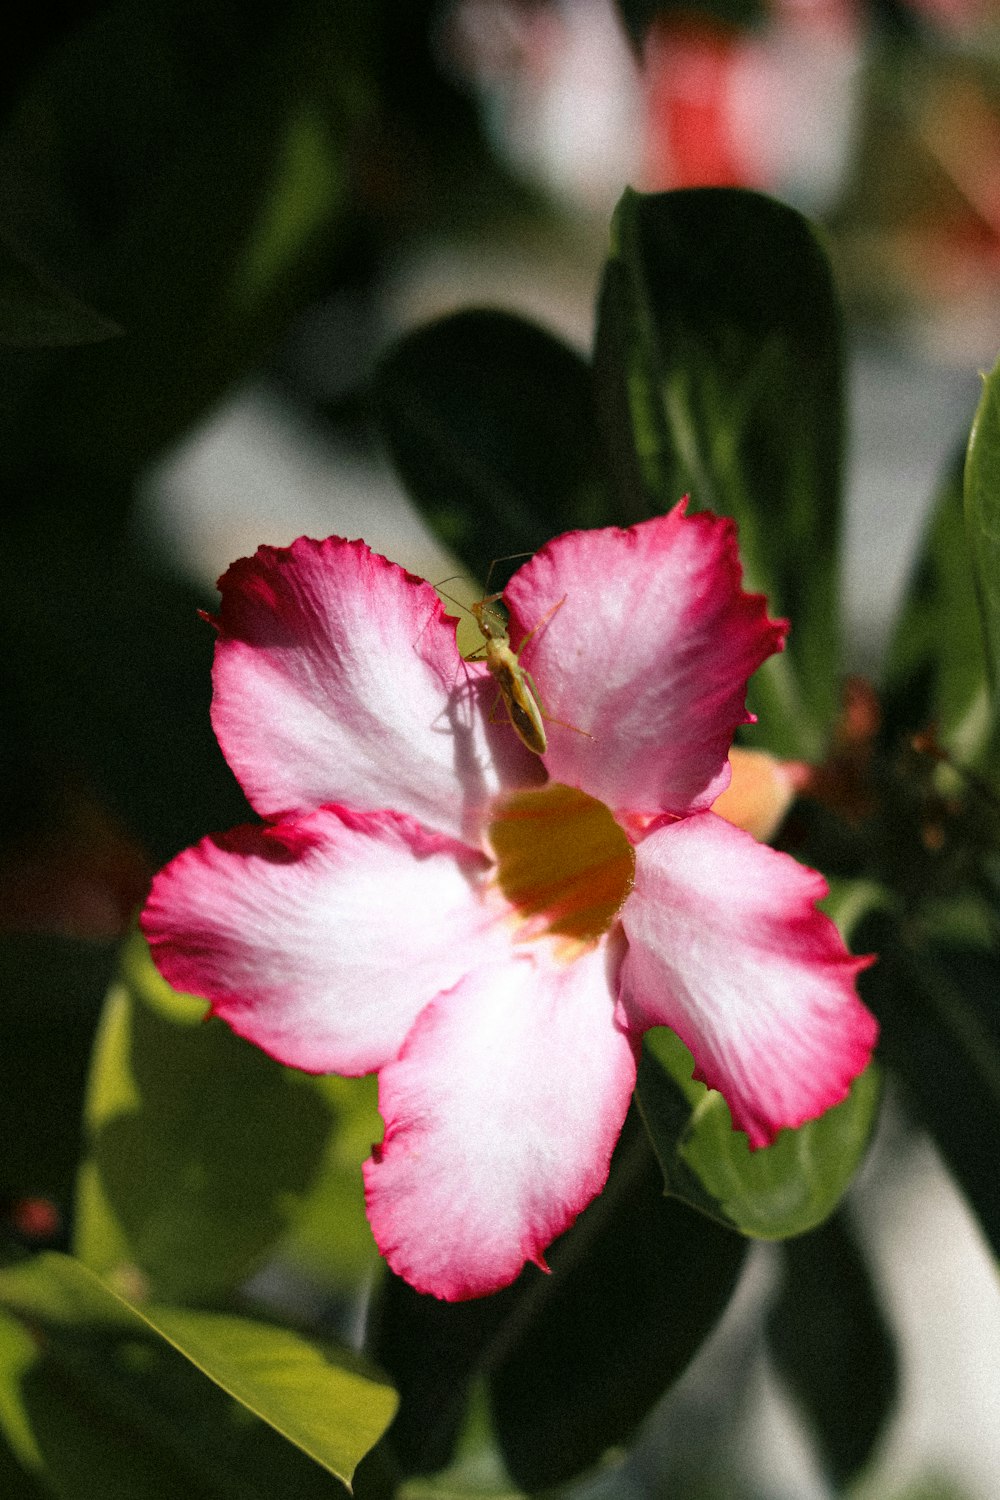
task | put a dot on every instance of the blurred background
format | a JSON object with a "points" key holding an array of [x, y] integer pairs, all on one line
{"points": [[221, 216]]}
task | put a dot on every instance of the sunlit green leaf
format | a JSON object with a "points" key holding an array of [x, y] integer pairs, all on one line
{"points": [[777, 1191], [201, 1148], [490, 422], [115, 1412], [451, 1488], [833, 1346], [105, 1364], [329, 1237], [719, 374]]}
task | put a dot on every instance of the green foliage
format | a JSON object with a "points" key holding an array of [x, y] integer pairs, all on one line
{"points": [[936, 670], [36, 312], [718, 373], [328, 1238], [50, 992], [99, 1396], [833, 1347], [936, 1002], [107, 679], [179, 177], [490, 422], [780, 1190], [201, 1148], [636, 1285], [982, 518]]}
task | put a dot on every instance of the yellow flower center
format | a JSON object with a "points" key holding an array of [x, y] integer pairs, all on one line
{"points": [[563, 864]]}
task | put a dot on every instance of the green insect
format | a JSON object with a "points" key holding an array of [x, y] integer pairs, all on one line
{"points": [[517, 689], [520, 696]]}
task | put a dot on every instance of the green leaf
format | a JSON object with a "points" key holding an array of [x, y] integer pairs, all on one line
{"points": [[201, 1147], [329, 1238], [50, 992], [982, 515], [107, 671], [936, 668], [190, 170], [433, 1352], [16, 1483], [636, 1286], [458, 1487], [571, 1361], [772, 1193], [490, 423], [833, 1347], [719, 374], [116, 1412], [937, 1007], [36, 312], [103, 1400]]}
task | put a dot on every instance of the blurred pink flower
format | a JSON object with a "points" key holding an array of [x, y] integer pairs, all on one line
{"points": [[489, 930]]}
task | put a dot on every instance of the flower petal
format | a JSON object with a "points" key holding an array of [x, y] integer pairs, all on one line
{"points": [[337, 679], [727, 948], [320, 939], [647, 647], [501, 1115], [761, 791]]}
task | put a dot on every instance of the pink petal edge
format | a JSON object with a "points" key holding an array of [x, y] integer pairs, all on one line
{"points": [[322, 938], [727, 947], [648, 652], [337, 680], [501, 1114]]}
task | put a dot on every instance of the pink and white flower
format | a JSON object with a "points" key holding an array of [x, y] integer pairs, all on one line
{"points": [[491, 931]]}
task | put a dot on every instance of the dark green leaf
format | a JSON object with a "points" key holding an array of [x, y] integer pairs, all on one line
{"points": [[36, 312], [719, 374], [939, 1010], [113, 1399], [50, 997], [636, 1286], [833, 1347], [107, 674], [572, 1361], [433, 1351], [777, 1191], [490, 422], [936, 670], [982, 515], [201, 1147], [185, 172]]}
